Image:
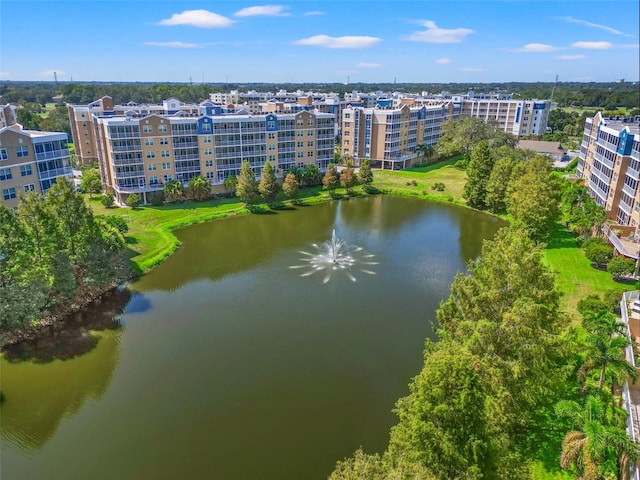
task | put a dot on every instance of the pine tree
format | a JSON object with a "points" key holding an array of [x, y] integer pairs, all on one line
{"points": [[268, 186], [478, 173], [246, 186]]}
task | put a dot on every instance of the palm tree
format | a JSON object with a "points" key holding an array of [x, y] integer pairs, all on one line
{"points": [[311, 175], [607, 356], [230, 183], [199, 187], [594, 445], [425, 151], [604, 324], [174, 190]]}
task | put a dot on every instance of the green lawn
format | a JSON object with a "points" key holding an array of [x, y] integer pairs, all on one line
{"points": [[396, 181], [576, 277]]}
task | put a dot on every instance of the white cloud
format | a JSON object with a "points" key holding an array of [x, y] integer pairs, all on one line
{"points": [[4, 74], [198, 18], [434, 34], [339, 42], [594, 25], [593, 45], [264, 10], [368, 65], [313, 12], [50, 73], [570, 57], [443, 60], [472, 69], [173, 44], [537, 48]]}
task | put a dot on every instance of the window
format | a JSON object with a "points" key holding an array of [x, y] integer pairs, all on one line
{"points": [[30, 188], [299, 133], [272, 136], [22, 151], [208, 151], [5, 174], [272, 158], [271, 124], [309, 133], [310, 122], [208, 163], [300, 144], [25, 170], [300, 154], [152, 167], [9, 193], [147, 128], [347, 133], [347, 115], [310, 143], [167, 178], [309, 154], [272, 146], [3, 154], [164, 154], [151, 154], [210, 175], [164, 140], [300, 123], [162, 128], [206, 127], [166, 166], [148, 142], [347, 124], [207, 139], [153, 180]]}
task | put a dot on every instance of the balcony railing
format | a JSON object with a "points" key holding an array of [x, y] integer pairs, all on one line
{"points": [[630, 404], [64, 152], [620, 247], [57, 172]]}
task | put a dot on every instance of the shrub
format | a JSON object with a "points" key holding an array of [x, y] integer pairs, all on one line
{"points": [[450, 199], [133, 201], [157, 198], [439, 186], [461, 164], [107, 200], [620, 266], [118, 222]]}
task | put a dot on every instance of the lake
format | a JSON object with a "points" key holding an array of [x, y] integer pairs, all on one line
{"points": [[224, 362]]}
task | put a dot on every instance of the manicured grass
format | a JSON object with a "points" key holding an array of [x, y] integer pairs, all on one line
{"points": [[395, 182], [576, 277]]}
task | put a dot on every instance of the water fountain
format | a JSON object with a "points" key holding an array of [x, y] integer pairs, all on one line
{"points": [[335, 255]]}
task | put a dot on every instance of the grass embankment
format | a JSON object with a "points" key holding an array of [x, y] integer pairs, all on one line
{"points": [[576, 278]]}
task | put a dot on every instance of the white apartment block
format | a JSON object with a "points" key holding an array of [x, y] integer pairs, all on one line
{"points": [[8, 115], [31, 160]]}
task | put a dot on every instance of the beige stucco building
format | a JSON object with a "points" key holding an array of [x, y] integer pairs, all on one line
{"points": [[609, 163]]}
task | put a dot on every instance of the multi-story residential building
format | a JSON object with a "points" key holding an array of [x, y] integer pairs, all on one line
{"points": [[609, 164], [138, 153], [389, 136], [31, 161], [83, 128], [8, 115]]}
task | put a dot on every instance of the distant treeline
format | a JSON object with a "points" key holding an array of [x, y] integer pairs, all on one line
{"points": [[605, 95]]}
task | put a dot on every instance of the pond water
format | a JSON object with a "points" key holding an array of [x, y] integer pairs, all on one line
{"points": [[223, 362]]}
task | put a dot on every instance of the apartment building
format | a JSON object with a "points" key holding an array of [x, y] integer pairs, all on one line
{"points": [[389, 136], [138, 153], [609, 164], [31, 161], [83, 127], [8, 115]]}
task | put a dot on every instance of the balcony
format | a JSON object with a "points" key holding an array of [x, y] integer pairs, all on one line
{"points": [[624, 246], [64, 152], [131, 174], [185, 145], [631, 392], [183, 158], [57, 172], [126, 148]]}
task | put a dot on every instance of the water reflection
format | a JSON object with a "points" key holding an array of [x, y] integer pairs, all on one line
{"points": [[38, 395]]}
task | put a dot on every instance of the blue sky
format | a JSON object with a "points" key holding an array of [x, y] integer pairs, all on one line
{"points": [[324, 41]]}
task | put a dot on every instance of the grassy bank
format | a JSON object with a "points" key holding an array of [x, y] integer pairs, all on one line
{"points": [[576, 278]]}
